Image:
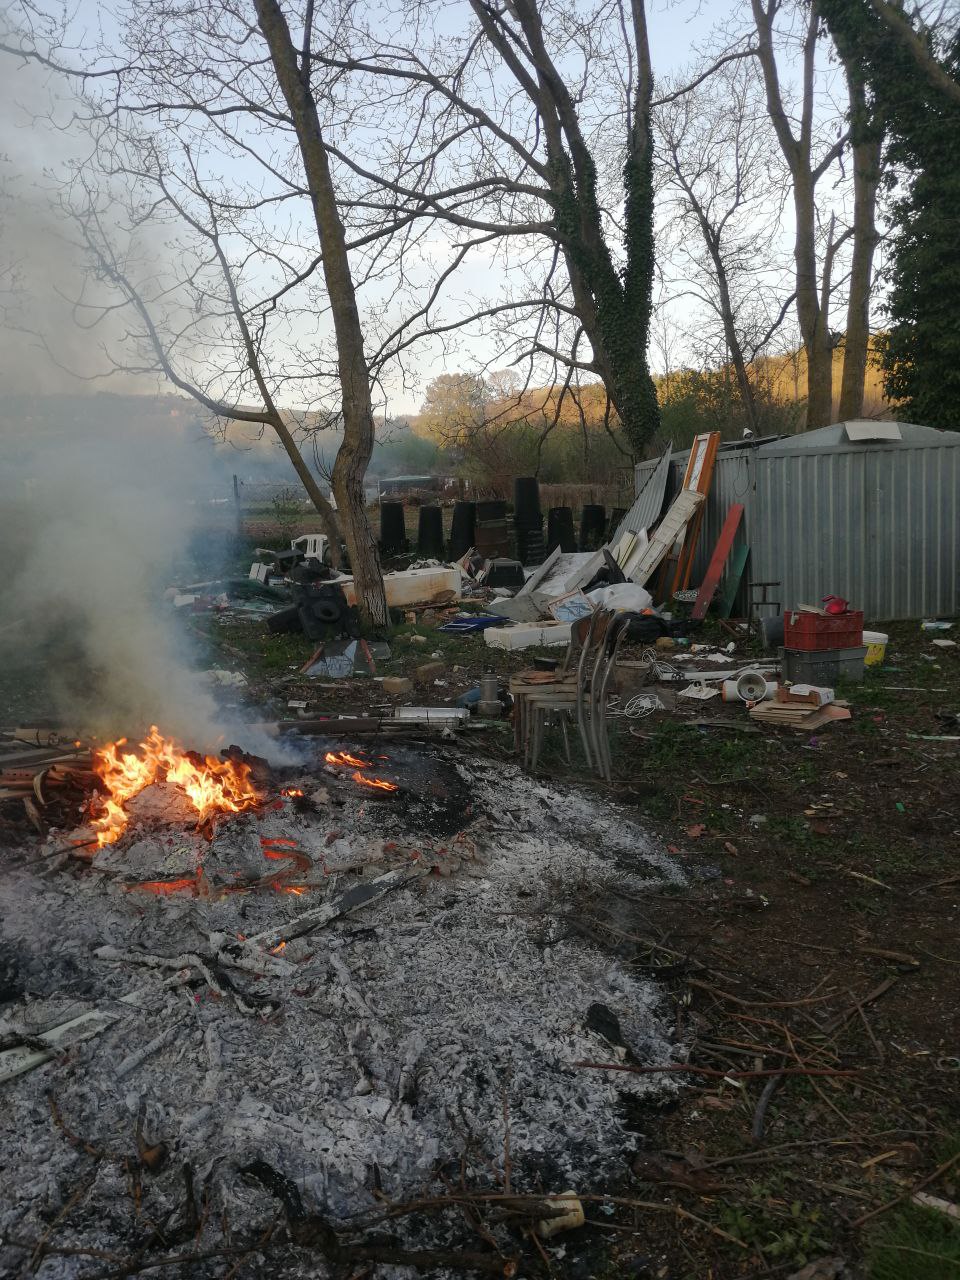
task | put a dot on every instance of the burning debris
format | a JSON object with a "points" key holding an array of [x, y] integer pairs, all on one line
{"points": [[212, 786], [278, 973], [358, 765]]}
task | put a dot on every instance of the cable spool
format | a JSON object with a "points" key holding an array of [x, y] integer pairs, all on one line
{"points": [[560, 530], [593, 524], [393, 529], [526, 503], [462, 529], [430, 533]]}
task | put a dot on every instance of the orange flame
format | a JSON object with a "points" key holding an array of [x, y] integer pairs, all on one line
{"points": [[343, 757], [291, 791], [212, 786], [378, 784]]}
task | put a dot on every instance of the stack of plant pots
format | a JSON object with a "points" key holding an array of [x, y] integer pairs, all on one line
{"points": [[560, 530], [492, 530], [528, 520], [593, 527], [393, 529], [430, 534], [463, 529]]}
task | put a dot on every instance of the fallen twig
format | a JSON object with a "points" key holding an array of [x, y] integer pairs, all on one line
{"points": [[80, 1144], [909, 1194], [759, 1004], [769, 1089], [139, 1056], [878, 1049], [41, 1250], [527, 1203], [834, 1024], [713, 1073]]}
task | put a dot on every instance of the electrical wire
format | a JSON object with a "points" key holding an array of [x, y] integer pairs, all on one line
{"points": [[661, 669], [638, 707]]}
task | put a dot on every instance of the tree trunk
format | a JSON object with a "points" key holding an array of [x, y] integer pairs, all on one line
{"points": [[813, 321], [353, 457], [819, 383], [867, 150], [328, 516], [812, 315], [613, 306]]}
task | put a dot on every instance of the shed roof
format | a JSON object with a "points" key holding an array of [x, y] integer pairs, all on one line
{"points": [[863, 433]]}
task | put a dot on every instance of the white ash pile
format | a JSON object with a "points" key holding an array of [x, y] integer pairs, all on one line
{"points": [[324, 988]]}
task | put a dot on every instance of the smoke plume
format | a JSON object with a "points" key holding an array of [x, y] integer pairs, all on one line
{"points": [[100, 495]]}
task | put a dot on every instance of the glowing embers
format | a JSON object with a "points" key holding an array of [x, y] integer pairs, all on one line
{"points": [[212, 786], [344, 759]]}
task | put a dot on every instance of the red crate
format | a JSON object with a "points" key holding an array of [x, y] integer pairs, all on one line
{"points": [[812, 632]]}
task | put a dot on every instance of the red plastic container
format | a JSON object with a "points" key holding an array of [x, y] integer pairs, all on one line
{"points": [[810, 632]]}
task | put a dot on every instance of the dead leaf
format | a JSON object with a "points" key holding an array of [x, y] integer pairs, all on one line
{"points": [[697, 830], [797, 878], [730, 848]]}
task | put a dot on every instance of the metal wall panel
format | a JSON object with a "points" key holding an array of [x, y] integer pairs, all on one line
{"points": [[650, 489], [876, 523]]}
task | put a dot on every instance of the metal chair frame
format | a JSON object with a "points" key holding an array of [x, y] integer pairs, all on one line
{"points": [[594, 644]]}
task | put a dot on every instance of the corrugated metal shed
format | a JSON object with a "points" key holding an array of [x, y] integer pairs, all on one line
{"points": [[875, 521], [649, 504]]}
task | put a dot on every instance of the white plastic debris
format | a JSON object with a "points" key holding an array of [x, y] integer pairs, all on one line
{"points": [[699, 692], [572, 1217]]}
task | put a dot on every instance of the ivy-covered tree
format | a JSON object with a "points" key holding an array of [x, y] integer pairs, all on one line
{"points": [[910, 89], [531, 131]]}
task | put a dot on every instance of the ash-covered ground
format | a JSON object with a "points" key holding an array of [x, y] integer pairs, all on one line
{"points": [[371, 1057]]}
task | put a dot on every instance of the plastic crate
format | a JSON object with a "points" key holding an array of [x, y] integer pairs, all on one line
{"points": [[823, 666], [815, 632]]}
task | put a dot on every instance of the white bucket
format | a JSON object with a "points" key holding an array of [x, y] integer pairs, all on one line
{"points": [[876, 642]]}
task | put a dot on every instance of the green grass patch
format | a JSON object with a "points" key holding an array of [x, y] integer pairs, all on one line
{"points": [[914, 1244]]}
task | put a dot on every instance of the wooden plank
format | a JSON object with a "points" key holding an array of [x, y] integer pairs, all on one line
{"points": [[717, 561], [738, 563], [40, 756], [698, 479], [684, 507]]}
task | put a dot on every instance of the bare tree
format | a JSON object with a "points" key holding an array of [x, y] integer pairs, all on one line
{"points": [[866, 148], [208, 137], [808, 163], [533, 130], [723, 196]]}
